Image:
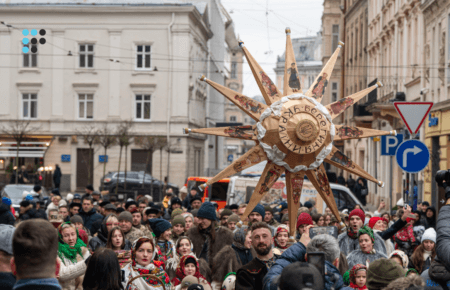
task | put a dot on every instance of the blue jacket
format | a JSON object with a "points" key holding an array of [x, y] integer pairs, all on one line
{"points": [[296, 253], [89, 218]]}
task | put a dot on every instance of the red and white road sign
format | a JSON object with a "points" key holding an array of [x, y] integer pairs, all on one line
{"points": [[413, 114]]}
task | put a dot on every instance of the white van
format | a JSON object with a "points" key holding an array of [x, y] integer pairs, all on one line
{"points": [[240, 190]]}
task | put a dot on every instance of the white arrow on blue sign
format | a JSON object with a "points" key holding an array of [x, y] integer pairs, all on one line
{"points": [[389, 144], [412, 156]]}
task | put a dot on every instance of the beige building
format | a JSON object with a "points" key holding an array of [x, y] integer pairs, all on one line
{"points": [[103, 64], [395, 49]]}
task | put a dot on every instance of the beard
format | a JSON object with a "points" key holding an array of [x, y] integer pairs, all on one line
{"points": [[263, 251]]}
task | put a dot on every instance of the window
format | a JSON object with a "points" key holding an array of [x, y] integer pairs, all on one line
{"points": [[86, 55], [232, 118], [334, 92], [86, 106], [30, 58], [335, 37], [234, 70], [143, 56], [143, 107], [29, 106]]}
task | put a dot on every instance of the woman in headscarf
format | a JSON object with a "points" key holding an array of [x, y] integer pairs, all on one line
{"points": [[189, 266], [162, 230], [366, 254], [72, 252], [143, 262], [281, 239], [233, 257], [184, 247], [431, 217], [357, 277], [405, 239], [400, 258]]}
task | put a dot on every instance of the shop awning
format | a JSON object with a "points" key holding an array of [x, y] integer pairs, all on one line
{"points": [[34, 147]]}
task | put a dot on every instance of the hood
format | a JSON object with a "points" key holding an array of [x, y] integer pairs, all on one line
{"points": [[333, 279], [3, 208]]}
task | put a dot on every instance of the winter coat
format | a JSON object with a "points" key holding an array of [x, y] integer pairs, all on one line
{"points": [[134, 234], [347, 244], [443, 236], [203, 246], [30, 213], [71, 274], [89, 218], [7, 280], [359, 257], [250, 276], [430, 284], [431, 222], [57, 176], [358, 193], [228, 260], [296, 253], [6, 216], [98, 242], [391, 231], [387, 243]]}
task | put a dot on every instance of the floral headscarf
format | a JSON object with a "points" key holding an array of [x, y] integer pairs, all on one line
{"points": [[280, 229], [403, 257], [179, 273], [353, 271], [365, 230], [178, 244], [66, 251], [406, 233]]}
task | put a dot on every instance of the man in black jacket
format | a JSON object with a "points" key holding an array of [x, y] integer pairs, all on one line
{"points": [[88, 213], [6, 216], [250, 276]]}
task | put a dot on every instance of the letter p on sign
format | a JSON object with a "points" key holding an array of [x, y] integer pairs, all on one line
{"points": [[389, 144]]}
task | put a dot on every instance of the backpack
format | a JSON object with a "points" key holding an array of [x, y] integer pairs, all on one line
{"points": [[439, 273]]}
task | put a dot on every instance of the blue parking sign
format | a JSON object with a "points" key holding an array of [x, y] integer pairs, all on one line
{"points": [[412, 156], [389, 144]]}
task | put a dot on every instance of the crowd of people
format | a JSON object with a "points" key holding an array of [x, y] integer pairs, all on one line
{"points": [[94, 242]]}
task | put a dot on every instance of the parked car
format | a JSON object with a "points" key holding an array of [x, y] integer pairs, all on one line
{"points": [[15, 191], [135, 180]]}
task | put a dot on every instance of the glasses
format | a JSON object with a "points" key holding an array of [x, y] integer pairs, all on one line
{"points": [[112, 224]]}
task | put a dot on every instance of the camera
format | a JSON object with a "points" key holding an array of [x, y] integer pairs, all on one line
{"points": [[443, 180]]}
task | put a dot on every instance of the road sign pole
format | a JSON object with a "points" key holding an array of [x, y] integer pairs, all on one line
{"points": [[390, 183]]}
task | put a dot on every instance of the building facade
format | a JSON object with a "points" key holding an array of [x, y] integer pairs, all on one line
{"points": [[104, 64]]}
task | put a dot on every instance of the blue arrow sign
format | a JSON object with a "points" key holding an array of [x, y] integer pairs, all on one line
{"points": [[389, 144], [412, 156], [230, 158]]}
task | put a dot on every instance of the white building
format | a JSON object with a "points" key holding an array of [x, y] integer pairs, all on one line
{"points": [[104, 63]]}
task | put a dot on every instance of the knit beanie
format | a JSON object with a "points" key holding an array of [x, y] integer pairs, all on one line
{"points": [[176, 212], [225, 212], [284, 206], [259, 209], [6, 200], [188, 281], [179, 220], [159, 226], [381, 272], [358, 212], [76, 219], [304, 218], [402, 256], [194, 212], [234, 218], [429, 234], [346, 277], [126, 216], [285, 218], [373, 221], [308, 205], [207, 211], [268, 208], [6, 238]]}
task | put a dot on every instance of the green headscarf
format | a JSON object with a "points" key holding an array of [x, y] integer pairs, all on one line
{"points": [[346, 277], [365, 230], [66, 251]]}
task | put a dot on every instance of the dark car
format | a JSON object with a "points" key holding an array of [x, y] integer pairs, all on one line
{"points": [[135, 180], [15, 191]]}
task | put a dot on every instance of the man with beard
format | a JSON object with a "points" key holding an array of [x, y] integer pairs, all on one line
{"points": [[257, 214], [224, 215], [349, 241], [208, 240], [268, 218], [250, 276]]}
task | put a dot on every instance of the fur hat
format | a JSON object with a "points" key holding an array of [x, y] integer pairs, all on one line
{"points": [[259, 209], [194, 198], [308, 205], [179, 220], [233, 218], [188, 281], [410, 282], [207, 211], [304, 218], [225, 212], [159, 226], [126, 216], [69, 196], [6, 238], [268, 208], [381, 272], [402, 256], [176, 212], [175, 200], [76, 219], [358, 212], [37, 188], [429, 234]]}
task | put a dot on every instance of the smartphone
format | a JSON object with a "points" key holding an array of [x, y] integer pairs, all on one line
{"points": [[317, 259], [332, 231], [123, 275]]}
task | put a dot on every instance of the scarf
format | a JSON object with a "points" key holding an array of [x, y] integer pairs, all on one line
{"points": [[406, 234], [179, 273], [426, 254], [353, 272], [354, 286], [66, 251], [352, 234], [269, 263], [165, 250]]}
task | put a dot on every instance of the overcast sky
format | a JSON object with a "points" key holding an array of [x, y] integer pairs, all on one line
{"points": [[265, 44]]}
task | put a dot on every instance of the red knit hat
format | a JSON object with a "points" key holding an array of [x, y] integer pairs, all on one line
{"points": [[357, 212], [304, 218], [373, 221]]}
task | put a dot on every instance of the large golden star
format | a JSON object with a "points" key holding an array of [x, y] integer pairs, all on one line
{"points": [[294, 133]]}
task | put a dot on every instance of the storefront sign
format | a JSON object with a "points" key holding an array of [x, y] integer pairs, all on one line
{"points": [[65, 158], [432, 120]]}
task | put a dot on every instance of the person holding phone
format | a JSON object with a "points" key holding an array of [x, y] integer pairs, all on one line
{"points": [[366, 252]]}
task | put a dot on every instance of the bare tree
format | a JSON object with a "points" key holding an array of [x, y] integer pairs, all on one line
{"points": [[90, 137], [169, 148], [18, 130], [151, 144], [123, 138], [106, 140]]}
